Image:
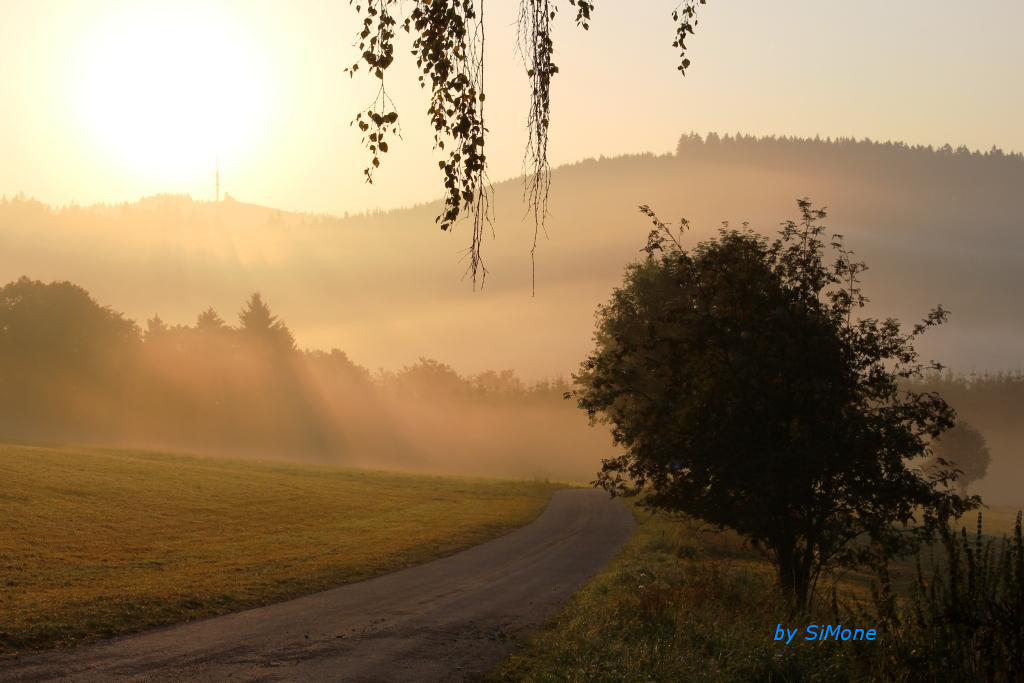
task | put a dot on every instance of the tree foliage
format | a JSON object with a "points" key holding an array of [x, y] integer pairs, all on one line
{"points": [[748, 393], [963, 447], [260, 324], [448, 46]]}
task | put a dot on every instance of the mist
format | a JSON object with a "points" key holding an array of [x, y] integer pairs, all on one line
{"points": [[87, 374], [935, 225]]}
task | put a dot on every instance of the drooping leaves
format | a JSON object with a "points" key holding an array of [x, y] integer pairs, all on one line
{"points": [[448, 46]]}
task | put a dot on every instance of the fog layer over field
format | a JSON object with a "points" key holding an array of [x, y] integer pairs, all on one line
{"points": [[935, 226]]}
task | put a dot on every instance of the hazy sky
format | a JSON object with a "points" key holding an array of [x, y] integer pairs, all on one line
{"points": [[110, 100]]}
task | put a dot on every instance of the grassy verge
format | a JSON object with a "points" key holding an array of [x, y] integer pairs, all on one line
{"points": [[683, 604], [95, 542]]}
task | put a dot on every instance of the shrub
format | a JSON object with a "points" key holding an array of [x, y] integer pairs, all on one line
{"points": [[964, 620]]}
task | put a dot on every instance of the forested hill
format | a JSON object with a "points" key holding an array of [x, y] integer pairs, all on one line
{"points": [[935, 225]]}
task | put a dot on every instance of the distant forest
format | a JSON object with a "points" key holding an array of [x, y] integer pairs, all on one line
{"points": [[778, 150], [936, 224], [787, 149], [76, 371]]}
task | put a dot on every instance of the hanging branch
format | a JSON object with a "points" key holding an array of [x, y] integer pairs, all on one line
{"points": [[380, 119], [449, 52], [449, 47], [685, 18], [537, 48]]}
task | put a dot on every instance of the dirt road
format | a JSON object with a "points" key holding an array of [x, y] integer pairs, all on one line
{"points": [[449, 620]]}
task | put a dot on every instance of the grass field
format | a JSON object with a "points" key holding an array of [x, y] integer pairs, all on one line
{"points": [[97, 542], [682, 603]]}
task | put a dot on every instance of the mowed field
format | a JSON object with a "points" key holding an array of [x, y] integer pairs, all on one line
{"points": [[99, 542]]}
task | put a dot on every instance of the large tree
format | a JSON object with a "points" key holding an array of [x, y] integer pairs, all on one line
{"points": [[65, 360], [963, 447], [747, 393], [448, 47]]}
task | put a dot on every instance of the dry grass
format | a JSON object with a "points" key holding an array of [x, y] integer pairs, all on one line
{"points": [[98, 542], [683, 603], [678, 604]]}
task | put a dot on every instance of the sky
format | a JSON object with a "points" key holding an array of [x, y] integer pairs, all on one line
{"points": [[111, 100]]}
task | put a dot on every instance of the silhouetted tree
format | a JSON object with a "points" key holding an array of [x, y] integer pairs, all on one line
{"points": [[963, 447], [428, 379], [64, 359], [259, 323], [338, 365], [748, 395], [155, 328], [58, 322], [503, 384], [210, 322]]}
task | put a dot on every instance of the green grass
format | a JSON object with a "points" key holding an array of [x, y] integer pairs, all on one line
{"points": [[676, 605], [685, 604], [99, 542]]}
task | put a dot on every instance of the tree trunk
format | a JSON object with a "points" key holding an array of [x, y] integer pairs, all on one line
{"points": [[794, 577]]}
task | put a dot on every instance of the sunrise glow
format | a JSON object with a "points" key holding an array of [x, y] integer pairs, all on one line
{"points": [[166, 90]]}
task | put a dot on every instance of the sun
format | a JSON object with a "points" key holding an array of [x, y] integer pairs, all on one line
{"points": [[166, 89]]}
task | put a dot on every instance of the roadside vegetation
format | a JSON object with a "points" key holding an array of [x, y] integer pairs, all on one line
{"points": [[684, 602], [752, 399], [100, 542]]}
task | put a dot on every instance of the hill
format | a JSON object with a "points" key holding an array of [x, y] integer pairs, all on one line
{"points": [[935, 225]]}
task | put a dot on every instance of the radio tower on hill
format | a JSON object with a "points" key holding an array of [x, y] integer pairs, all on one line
{"points": [[217, 181]]}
